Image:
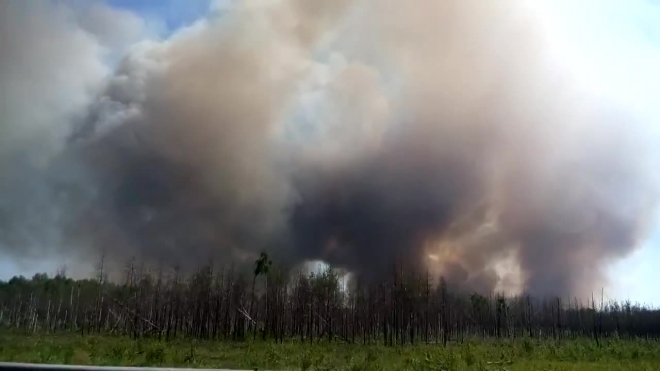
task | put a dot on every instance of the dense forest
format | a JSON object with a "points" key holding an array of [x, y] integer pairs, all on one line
{"points": [[273, 303]]}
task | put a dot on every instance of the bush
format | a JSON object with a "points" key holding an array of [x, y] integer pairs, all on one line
{"points": [[155, 354]]}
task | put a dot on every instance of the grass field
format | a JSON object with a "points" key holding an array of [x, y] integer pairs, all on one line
{"points": [[480, 355]]}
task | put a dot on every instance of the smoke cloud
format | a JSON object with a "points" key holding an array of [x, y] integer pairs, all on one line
{"points": [[443, 135]]}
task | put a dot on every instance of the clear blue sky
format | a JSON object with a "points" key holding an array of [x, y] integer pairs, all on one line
{"points": [[615, 45]]}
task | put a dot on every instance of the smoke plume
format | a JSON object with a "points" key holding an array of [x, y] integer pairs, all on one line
{"points": [[444, 135]]}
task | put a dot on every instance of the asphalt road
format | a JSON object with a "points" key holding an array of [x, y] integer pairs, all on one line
{"points": [[8, 366]]}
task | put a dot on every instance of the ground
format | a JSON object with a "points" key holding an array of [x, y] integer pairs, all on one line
{"points": [[510, 355]]}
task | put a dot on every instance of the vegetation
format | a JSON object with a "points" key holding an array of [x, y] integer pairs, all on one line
{"points": [[231, 317], [638, 355]]}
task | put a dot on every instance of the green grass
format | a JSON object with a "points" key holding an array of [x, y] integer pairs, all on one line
{"points": [[478, 355]]}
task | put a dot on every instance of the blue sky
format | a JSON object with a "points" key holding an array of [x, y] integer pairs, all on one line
{"points": [[613, 44], [172, 14]]}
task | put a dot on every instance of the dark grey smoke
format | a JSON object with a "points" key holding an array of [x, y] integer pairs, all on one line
{"points": [[440, 135], [384, 207]]}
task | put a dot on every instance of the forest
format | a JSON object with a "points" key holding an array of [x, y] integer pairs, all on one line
{"points": [[273, 304]]}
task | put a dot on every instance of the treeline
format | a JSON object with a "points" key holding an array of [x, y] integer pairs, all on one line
{"points": [[271, 303]]}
